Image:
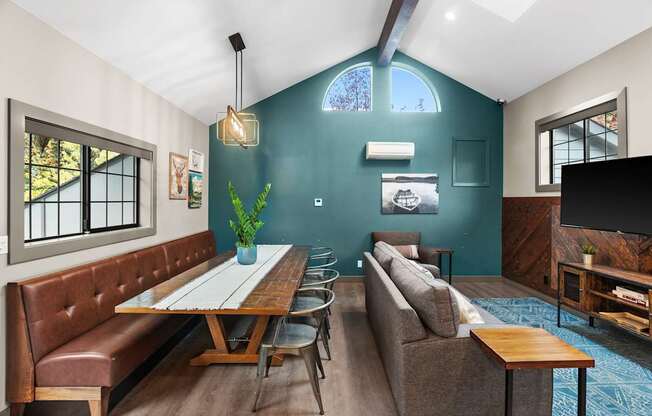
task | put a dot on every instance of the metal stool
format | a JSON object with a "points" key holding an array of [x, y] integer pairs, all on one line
{"points": [[297, 339], [321, 261], [320, 278], [321, 251], [306, 298]]}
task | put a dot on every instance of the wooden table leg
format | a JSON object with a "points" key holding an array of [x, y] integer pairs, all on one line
{"points": [[220, 354], [257, 334], [217, 333]]}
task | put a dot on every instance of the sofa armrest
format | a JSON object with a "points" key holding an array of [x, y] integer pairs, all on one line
{"points": [[448, 371], [431, 255], [20, 362], [389, 313]]}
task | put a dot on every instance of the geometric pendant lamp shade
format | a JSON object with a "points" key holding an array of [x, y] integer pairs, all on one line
{"points": [[251, 127]]}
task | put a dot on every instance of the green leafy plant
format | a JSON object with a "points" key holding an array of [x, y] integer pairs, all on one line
{"points": [[248, 222], [589, 248]]}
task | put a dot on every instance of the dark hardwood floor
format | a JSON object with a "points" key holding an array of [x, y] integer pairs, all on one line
{"points": [[355, 381]]}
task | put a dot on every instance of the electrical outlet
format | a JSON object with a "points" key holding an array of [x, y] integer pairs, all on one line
{"points": [[4, 244], [319, 202], [359, 264]]}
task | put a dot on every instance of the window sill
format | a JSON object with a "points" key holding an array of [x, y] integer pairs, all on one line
{"points": [[48, 248], [548, 188]]}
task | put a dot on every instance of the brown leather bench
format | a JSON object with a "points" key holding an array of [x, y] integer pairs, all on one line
{"points": [[64, 340]]}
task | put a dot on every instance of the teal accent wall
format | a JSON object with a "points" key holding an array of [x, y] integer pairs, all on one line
{"points": [[307, 153]]}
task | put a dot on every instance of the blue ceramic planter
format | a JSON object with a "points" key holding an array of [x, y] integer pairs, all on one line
{"points": [[247, 255]]}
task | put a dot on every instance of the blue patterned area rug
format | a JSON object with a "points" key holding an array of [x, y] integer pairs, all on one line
{"points": [[621, 382]]}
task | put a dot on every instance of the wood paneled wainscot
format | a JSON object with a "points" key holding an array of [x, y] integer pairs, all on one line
{"points": [[534, 243]]}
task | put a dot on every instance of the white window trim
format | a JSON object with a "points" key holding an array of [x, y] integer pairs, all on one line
{"points": [[19, 251], [621, 108], [371, 88], [420, 77]]}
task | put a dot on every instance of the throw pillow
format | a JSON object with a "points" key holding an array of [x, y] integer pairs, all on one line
{"points": [[468, 312], [384, 253], [434, 270], [419, 268], [410, 251], [430, 298]]}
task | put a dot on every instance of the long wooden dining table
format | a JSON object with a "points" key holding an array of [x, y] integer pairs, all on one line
{"points": [[273, 296]]}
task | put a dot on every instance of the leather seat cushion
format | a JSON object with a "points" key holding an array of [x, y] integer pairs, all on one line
{"points": [[106, 354]]}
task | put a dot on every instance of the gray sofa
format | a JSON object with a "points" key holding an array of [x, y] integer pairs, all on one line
{"points": [[432, 375]]}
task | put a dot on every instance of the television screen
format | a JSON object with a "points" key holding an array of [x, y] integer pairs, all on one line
{"points": [[613, 195]]}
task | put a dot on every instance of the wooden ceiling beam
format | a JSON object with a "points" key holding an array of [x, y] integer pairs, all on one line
{"points": [[397, 20]]}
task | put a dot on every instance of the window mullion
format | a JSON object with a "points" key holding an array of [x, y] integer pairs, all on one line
{"points": [[58, 188], [585, 139], [552, 158], [85, 188], [30, 185]]}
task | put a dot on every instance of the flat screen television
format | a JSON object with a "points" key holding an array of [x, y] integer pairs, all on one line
{"points": [[613, 195]]}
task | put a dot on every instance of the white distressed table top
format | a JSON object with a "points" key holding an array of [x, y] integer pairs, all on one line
{"points": [[225, 286]]}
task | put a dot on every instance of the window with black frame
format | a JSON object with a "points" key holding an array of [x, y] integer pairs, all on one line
{"points": [[592, 132], [588, 140], [72, 189]]}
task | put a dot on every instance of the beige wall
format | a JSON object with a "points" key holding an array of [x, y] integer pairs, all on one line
{"points": [[626, 65], [41, 67]]}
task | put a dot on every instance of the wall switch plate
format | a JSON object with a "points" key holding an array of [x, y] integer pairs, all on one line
{"points": [[319, 202], [359, 264], [4, 244]]}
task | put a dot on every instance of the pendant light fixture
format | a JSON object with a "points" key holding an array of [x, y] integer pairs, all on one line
{"points": [[238, 128]]}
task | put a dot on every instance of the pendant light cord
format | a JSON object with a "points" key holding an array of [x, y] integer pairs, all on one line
{"points": [[238, 109], [241, 78]]}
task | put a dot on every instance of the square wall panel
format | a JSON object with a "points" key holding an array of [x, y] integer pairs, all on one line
{"points": [[471, 162]]}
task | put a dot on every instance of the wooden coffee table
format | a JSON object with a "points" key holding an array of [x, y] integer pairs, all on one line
{"points": [[525, 348]]}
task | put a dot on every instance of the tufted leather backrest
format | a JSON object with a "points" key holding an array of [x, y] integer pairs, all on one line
{"points": [[188, 252], [61, 306]]}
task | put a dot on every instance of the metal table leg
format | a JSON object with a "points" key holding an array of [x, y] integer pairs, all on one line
{"points": [[450, 268], [581, 391], [509, 390], [558, 296]]}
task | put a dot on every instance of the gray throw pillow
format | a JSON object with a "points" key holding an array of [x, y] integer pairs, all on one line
{"points": [[384, 253], [434, 270], [431, 298]]}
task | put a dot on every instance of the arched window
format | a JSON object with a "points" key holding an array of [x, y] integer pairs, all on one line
{"points": [[411, 94], [350, 90]]}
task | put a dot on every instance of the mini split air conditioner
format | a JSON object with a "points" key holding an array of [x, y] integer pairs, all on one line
{"points": [[390, 150]]}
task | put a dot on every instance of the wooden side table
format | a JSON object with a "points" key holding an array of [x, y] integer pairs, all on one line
{"points": [[525, 348]]}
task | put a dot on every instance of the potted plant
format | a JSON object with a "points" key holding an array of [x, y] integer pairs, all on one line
{"points": [[248, 224], [588, 251]]}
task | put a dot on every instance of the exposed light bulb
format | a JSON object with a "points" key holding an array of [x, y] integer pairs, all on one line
{"points": [[450, 16]]}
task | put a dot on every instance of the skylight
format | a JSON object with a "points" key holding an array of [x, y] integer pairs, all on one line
{"points": [[511, 10]]}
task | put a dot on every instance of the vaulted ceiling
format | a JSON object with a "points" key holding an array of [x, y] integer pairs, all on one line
{"points": [[179, 49]]}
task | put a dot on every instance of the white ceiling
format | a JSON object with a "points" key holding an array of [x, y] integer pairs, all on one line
{"points": [[180, 50]]}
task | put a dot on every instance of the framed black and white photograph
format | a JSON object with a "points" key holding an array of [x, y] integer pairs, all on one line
{"points": [[196, 159], [410, 193]]}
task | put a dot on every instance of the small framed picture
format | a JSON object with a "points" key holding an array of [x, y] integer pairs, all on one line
{"points": [[178, 179], [196, 160], [195, 190]]}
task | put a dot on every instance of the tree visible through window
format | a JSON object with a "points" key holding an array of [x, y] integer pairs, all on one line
{"points": [[71, 189], [410, 93], [350, 91]]}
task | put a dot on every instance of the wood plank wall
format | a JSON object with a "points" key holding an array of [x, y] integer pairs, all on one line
{"points": [[527, 236], [534, 241]]}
